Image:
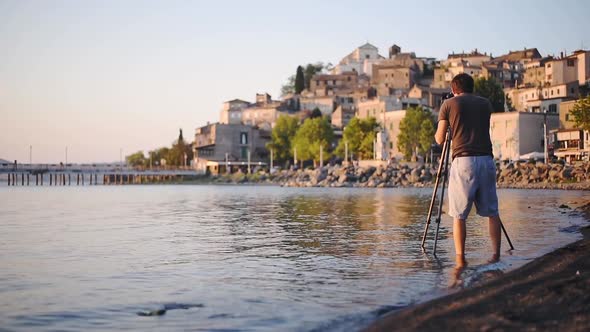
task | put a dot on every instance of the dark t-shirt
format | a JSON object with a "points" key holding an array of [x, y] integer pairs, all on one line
{"points": [[469, 118]]}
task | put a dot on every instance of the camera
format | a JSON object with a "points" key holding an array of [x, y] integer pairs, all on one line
{"points": [[448, 95]]}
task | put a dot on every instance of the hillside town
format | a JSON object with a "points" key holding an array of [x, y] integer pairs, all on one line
{"points": [[534, 121]]}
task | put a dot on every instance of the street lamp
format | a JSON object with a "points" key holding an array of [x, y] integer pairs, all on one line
{"points": [[545, 152]]}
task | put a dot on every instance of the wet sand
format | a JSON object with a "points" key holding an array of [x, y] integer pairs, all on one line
{"points": [[551, 293]]}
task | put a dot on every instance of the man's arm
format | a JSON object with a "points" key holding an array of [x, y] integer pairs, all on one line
{"points": [[441, 131]]}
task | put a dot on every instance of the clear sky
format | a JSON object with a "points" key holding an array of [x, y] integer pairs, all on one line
{"points": [[100, 76]]}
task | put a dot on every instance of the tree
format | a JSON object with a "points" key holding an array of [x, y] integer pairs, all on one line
{"points": [[316, 113], [359, 134], [136, 159], [416, 132], [509, 105], [179, 151], [158, 155], [282, 136], [299, 80], [288, 87], [489, 88], [581, 113], [310, 136]]}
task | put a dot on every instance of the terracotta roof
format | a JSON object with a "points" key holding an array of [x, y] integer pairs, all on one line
{"points": [[529, 53], [465, 55]]}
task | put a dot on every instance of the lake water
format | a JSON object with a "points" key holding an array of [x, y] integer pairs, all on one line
{"points": [[241, 258]]}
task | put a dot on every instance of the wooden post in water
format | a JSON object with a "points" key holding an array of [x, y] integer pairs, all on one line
{"points": [[90, 179], [36, 179], [42, 178], [8, 179], [78, 179], [27, 179], [69, 179], [95, 179], [82, 176], [63, 177], [50, 179]]}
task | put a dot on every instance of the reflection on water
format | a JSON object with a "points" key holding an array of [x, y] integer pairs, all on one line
{"points": [[246, 258]]}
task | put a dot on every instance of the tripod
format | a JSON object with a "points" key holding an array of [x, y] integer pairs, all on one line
{"points": [[443, 171]]}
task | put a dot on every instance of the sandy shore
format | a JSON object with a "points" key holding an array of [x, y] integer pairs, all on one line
{"points": [[551, 293]]}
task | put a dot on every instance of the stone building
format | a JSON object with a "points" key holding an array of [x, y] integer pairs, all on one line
{"points": [[220, 148]]}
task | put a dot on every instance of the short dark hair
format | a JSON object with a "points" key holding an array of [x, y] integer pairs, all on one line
{"points": [[462, 83]]}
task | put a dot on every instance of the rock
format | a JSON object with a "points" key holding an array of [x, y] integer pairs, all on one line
{"points": [[564, 206], [414, 175]]}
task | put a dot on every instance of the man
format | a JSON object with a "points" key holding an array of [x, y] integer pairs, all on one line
{"points": [[472, 176]]}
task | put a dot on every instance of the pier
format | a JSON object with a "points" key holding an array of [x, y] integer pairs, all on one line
{"points": [[45, 175]]}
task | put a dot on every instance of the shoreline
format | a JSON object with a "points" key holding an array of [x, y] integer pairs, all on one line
{"points": [[552, 292]]}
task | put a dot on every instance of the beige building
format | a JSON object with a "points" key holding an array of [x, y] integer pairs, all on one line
{"points": [[541, 99], [474, 58], [583, 59], [514, 134], [324, 103], [330, 84], [342, 116], [231, 111], [240, 145], [387, 78], [566, 121], [561, 71], [534, 73], [571, 143], [263, 113], [428, 96]]}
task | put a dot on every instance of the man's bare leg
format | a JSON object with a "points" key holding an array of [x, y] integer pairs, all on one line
{"points": [[495, 233], [459, 236]]}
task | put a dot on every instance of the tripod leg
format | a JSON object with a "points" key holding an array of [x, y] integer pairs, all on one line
{"points": [[442, 194], [507, 237], [432, 200]]}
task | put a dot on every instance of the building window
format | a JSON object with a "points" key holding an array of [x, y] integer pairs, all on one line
{"points": [[572, 91], [557, 91], [553, 108], [348, 78], [548, 65], [244, 152], [567, 117], [243, 138], [570, 62], [552, 92], [391, 145]]}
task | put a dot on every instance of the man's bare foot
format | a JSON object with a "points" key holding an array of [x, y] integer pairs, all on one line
{"points": [[460, 265], [495, 258]]}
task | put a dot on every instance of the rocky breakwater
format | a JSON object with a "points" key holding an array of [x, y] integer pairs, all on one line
{"points": [[513, 175], [544, 176], [526, 175], [350, 176]]}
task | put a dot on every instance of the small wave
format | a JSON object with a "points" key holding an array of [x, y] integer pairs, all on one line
{"points": [[166, 307]]}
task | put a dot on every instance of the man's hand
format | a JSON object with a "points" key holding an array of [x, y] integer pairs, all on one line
{"points": [[441, 131]]}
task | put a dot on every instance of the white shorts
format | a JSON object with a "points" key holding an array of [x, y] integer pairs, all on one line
{"points": [[473, 180]]}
